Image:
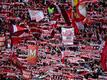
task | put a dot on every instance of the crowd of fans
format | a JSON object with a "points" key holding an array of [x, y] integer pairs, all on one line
{"points": [[82, 60]]}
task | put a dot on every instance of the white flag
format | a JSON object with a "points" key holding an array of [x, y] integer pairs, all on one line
{"points": [[36, 15], [67, 36]]}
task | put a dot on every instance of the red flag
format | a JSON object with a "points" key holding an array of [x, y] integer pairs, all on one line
{"points": [[104, 57], [32, 54]]}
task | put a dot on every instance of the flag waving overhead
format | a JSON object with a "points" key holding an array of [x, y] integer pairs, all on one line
{"points": [[81, 10], [32, 54], [78, 15], [16, 28], [36, 15]]}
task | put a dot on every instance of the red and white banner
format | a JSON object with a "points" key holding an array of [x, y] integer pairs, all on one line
{"points": [[36, 15], [67, 36]]}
